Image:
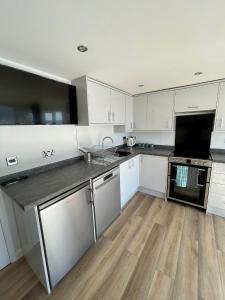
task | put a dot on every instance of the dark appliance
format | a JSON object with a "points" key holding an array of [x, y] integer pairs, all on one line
{"points": [[193, 135], [190, 164], [29, 99], [188, 180]]}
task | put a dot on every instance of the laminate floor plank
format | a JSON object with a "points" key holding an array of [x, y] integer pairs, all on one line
{"points": [[155, 250], [162, 283], [219, 228], [209, 280], [139, 285], [170, 252]]}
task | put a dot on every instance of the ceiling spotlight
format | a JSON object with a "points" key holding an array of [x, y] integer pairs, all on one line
{"points": [[140, 85], [82, 48], [197, 73]]}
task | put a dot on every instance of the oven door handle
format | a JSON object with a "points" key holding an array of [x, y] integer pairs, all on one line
{"points": [[198, 184]]}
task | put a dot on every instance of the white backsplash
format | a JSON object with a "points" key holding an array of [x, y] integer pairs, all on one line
{"points": [[156, 138], [218, 140], [28, 142]]}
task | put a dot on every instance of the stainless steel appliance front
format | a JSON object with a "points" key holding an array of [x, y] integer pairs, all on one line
{"points": [[67, 227], [188, 180], [106, 196]]}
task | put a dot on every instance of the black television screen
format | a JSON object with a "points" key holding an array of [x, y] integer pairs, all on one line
{"points": [[29, 99], [193, 134]]}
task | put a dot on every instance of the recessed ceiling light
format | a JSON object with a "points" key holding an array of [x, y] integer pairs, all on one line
{"points": [[140, 85], [197, 73], [82, 48]]}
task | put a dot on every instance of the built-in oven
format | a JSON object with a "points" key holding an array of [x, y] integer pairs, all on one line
{"points": [[188, 180]]}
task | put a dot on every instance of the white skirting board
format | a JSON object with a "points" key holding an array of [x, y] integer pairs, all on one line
{"points": [[216, 211], [152, 192]]}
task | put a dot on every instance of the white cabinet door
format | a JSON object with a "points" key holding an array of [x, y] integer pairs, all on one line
{"points": [[129, 179], [140, 112], [117, 100], [220, 114], [4, 256], [98, 103], [129, 114], [196, 98], [153, 172], [161, 110]]}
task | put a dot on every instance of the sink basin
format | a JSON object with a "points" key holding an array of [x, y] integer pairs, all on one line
{"points": [[122, 153]]}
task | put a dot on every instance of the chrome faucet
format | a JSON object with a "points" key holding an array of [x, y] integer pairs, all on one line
{"points": [[105, 138]]}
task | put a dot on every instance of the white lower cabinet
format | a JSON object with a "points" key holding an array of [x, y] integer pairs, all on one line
{"points": [[4, 256], [129, 179], [153, 173], [216, 199]]}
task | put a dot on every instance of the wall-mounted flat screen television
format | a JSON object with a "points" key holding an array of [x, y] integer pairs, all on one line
{"points": [[29, 99]]}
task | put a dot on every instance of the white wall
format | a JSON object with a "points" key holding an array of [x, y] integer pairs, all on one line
{"points": [[28, 142], [91, 136], [157, 138], [167, 138], [218, 140]]}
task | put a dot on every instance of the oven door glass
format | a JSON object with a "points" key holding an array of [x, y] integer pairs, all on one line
{"points": [[188, 183]]}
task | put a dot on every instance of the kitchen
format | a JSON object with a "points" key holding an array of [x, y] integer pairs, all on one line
{"points": [[112, 187]]}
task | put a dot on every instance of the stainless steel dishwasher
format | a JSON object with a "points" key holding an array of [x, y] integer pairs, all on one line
{"points": [[106, 198], [68, 230]]}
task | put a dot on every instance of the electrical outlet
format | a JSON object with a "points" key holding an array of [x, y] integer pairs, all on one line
{"points": [[11, 160], [48, 153]]}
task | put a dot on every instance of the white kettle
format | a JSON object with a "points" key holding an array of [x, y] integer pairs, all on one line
{"points": [[131, 141]]}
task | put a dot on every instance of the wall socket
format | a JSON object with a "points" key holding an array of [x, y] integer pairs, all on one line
{"points": [[48, 153], [11, 160]]}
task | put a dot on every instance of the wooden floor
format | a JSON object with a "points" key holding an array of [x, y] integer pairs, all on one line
{"points": [[154, 250]]}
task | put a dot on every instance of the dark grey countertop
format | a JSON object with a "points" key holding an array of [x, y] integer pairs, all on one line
{"points": [[47, 182]]}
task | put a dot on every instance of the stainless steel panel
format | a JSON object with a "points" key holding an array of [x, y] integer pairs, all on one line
{"points": [[68, 232], [106, 193]]}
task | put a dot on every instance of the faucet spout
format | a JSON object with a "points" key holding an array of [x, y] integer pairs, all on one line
{"points": [[105, 138]]}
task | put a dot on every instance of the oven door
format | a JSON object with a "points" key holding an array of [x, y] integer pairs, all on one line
{"points": [[188, 183]]}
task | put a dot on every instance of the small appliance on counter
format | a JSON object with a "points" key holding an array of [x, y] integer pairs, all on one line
{"points": [[130, 141]]}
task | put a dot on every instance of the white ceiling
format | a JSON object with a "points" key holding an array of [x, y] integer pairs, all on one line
{"points": [[158, 43]]}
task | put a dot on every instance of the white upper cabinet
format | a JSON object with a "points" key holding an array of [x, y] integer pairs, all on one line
{"points": [[140, 112], [154, 111], [161, 111], [98, 103], [196, 98], [117, 100], [129, 114], [220, 115]]}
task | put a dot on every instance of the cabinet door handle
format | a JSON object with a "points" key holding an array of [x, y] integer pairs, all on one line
{"points": [[131, 125], [193, 106], [109, 116], [113, 116]]}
